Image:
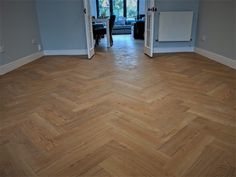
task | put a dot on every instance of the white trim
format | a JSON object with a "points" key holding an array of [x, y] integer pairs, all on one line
{"points": [[173, 49], [216, 57], [20, 62], [66, 52]]}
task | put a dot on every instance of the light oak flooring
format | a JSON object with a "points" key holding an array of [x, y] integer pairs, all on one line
{"points": [[120, 114]]}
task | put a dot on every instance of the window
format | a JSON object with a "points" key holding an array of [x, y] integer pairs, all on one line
{"points": [[104, 8], [120, 8], [132, 6]]}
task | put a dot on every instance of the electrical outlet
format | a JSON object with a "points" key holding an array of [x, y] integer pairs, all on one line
{"points": [[39, 47], [34, 41], [2, 49], [203, 38]]}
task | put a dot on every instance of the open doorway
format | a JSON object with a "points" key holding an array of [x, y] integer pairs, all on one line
{"points": [[129, 21]]}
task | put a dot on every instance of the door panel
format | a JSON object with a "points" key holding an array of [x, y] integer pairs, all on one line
{"points": [[89, 29], [149, 27]]}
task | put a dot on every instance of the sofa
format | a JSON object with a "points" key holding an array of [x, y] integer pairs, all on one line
{"points": [[122, 26]]}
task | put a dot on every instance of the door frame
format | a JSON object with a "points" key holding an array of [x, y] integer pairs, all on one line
{"points": [[148, 50], [150, 10], [89, 29]]}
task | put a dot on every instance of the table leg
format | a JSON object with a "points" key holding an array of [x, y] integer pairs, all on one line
{"points": [[108, 35]]}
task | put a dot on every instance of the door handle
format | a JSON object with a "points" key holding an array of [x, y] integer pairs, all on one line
{"points": [[85, 11], [153, 9]]}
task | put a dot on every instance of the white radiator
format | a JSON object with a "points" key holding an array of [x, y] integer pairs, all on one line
{"points": [[175, 26]]}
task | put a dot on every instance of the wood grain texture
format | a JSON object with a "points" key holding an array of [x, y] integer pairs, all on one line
{"points": [[120, 114]]}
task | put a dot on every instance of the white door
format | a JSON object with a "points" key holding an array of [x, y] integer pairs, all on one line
{"points": [[89, 29], [150, 10]]}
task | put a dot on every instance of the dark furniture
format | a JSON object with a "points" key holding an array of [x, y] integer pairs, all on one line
{"points": [[139, 29], [123, 26], [100, 31], [140, 17], [122, 29]]}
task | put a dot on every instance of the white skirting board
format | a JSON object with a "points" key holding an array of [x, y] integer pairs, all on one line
{"points": [[211, 55], [66, 52], [216, 57], [173, 49], [20, 62]]}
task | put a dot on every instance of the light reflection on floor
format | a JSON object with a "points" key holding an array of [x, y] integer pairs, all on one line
{"points": [[126, 51]]}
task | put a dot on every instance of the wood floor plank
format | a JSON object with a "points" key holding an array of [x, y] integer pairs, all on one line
{"points": [[120, 114]]}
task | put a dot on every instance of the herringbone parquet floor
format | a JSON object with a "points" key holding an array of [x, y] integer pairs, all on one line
{"points": [[120, 114]]}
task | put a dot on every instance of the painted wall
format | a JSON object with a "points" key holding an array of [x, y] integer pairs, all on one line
{"points": [[176, 5], [18, 28], [235, 28], [217, 27], [62, 24], [141, 6], [1, 31], [93, 7]]}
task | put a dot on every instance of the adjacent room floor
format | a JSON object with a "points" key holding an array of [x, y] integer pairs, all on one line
{"points": [[120, 114]]}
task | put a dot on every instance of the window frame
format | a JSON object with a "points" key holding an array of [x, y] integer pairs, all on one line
{"points": [[111, 7]]}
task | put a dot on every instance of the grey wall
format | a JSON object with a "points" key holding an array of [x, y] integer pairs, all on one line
{"points": [[18, 27], [177, 5], [141, 6], [234, 29], [216, 30], [93, 7], [62, 24], [217, 25], [1, 30]]}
